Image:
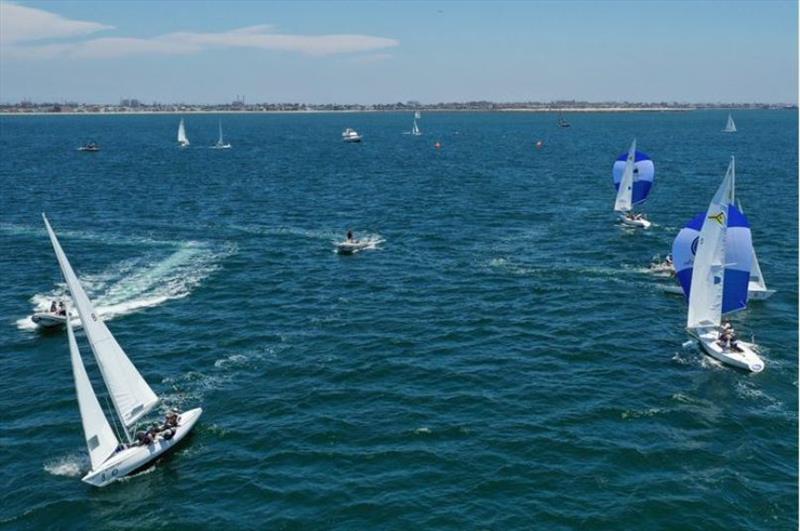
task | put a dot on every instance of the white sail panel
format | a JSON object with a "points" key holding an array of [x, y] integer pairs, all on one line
{"points": [[625, 192], [730, 127], [100, 438], [131, 395], [182, 139], [220, 142], [708, 275]]}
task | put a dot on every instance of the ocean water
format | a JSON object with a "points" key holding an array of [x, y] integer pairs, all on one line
{"points": [[503, 360]]}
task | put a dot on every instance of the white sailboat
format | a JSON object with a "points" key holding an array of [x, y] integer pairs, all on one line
{"points": [[130, 394], [757, 286], [625, 192], [415, 128], [220, 142], [183, 141], [719, 276], [730, 127]]}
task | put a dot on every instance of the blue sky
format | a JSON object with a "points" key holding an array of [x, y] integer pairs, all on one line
{"points": [[370, 52]]}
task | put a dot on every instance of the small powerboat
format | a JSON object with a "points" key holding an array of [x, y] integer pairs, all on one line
{"points": [[741, 354], [49, 319], [665, 268], [353, 246], [91, 147], [351, 135]]}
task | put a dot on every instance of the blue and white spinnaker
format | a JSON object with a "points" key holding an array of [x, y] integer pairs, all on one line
{"points": [[738, 256], [643, 173]]}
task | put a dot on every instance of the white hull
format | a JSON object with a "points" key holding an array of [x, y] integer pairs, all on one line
{"points": [[746, 358], [49, 320], [351, 139], [221, 146], [134, 458], [642, 223], [352, 247], [183, 144]]}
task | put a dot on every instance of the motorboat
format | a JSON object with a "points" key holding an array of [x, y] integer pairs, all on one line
{"points": [[351, 135]]}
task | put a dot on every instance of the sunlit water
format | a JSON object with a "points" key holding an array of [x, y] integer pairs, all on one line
{"points": [[502, 360]]}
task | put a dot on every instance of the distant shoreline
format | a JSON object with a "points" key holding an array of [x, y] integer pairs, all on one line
{"points": [[357, 111]]}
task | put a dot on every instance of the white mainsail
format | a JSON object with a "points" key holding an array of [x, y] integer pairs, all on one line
{"points": [[220, 142], [100, 438], [415, 128], [625, 191], [730, 127], [756, 277], [708, 275], [182, 140], [131, 395]]}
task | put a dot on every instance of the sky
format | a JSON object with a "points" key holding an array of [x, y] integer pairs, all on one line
{"points": [[383, 52]]}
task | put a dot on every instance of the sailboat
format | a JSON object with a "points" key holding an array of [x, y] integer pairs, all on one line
{"points": [[182, 140], [131, 395], [713, 256], [757, 286], [561, 121], [633, 178], [415, 128], [221, 143], [730, 127]]}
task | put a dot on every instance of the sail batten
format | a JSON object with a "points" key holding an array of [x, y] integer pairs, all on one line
{"points": [[131, 395]]}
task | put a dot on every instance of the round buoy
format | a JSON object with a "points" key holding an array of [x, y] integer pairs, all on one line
{"points": [[437, 145], [539, 144]]}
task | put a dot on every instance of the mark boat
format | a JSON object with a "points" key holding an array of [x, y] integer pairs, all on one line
{"points": [[351, 136], [90, 147]]}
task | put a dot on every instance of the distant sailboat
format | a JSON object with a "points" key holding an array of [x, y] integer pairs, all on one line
{"points": [[182, 140], [415, 128], [130, 394], [633, 174], [730, 127], [561, 121], [220, 142], [713, 257]]}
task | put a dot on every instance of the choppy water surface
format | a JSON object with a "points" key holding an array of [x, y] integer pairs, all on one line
{"points": [[503, 360]]}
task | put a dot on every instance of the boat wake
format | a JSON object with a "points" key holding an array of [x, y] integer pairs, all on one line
{"points": [[72, 465], [136, 284]]}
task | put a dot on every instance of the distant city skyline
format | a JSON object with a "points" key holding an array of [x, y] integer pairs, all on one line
{"points": [[382, 52]]}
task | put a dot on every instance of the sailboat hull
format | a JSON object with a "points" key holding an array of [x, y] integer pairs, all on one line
{"points": [[745, 358], [641, 223], [134, 458], [221, 146]]}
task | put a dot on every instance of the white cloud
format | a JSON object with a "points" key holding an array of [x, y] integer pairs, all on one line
{"points": [[26, 24]]}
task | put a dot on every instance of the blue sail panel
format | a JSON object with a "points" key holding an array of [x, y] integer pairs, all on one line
{"points": [[738, 257], [644, 172]]}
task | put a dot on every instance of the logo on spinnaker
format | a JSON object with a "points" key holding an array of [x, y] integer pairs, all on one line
{"points": [[719, 218]]}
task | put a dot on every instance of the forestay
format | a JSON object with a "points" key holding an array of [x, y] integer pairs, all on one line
{"points": [[634, 173], [131, 395], [713, 256], [100, 438]]}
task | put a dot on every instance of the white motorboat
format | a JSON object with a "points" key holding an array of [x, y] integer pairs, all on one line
{"points": [[183, 140], [730, 127], [90, 147], [713, 258], [351, 246], [130, 394], [351, 135], [220, 142], [49, 319], [633, 175]]}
